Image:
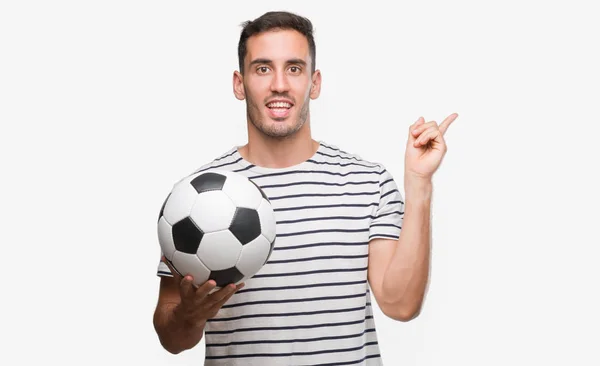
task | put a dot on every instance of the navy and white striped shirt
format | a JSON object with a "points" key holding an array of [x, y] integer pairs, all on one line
{"points": [[310, 304]]}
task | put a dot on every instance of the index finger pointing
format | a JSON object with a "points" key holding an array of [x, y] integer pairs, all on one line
{"points": [[446, 123]]}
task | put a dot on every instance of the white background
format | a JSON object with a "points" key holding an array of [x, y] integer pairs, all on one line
{"points": [[105, 104]]}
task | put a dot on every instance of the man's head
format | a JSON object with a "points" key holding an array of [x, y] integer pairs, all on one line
{"points": [[277, 75]]}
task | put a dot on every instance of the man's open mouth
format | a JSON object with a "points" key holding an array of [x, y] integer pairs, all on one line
{"points": [[279, 109]]}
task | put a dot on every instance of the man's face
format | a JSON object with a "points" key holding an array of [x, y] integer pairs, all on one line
{"points": [[277, 82]]}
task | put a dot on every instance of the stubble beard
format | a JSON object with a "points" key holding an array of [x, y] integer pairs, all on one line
{"points": [[275, 130]]}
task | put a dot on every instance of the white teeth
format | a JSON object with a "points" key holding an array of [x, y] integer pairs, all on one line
{"points": [[279, 105]]}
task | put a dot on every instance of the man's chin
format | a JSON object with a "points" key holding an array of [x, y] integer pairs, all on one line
{"points": [[278, 119], [277, 127], [278, 130]]}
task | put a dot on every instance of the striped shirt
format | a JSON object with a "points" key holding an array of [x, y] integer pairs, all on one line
{"points": [[311, 303]]}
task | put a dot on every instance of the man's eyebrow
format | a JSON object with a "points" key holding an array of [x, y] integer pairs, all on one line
{"points": [[297, 61], [260, 61], [267, 61]]}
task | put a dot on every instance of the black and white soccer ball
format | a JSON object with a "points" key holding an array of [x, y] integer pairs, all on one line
{"points": [[217, 225]]}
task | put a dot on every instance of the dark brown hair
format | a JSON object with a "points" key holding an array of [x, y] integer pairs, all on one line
{"points": [[276, 20]]}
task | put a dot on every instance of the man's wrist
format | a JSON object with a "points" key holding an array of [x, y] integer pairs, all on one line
{"points": [[417, 188]]}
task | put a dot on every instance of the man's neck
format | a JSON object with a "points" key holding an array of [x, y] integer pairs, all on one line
{"points": [[271, 152]]}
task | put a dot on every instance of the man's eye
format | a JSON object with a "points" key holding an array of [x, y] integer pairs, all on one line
{"points": [[295, 69], [263, 69]]}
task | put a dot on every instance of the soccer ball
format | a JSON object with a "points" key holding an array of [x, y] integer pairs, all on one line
{"points": [[216, 225]]}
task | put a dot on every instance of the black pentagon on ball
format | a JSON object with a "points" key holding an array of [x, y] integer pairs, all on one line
{"points": [[162, 209], [245, 225], [208, 182], [187, 236], [226, 276], [262, 193]]}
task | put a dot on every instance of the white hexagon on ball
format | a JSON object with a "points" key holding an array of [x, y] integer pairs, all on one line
{"points": [[241, 191], [219, 250], [165, 238], [190, 264], [253, 256], [213, 211], [180, 202], [267, 220]]}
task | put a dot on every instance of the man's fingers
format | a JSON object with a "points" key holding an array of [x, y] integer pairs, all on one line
{"points": [[419, 129], [428, 135], [215, 306], [431, 131], [187, 287], [223, 292], [446, 123], [222, 302], [415, 125], [213, 303], [205, 289]]}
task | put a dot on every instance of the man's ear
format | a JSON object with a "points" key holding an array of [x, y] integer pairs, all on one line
{"points": [[238, 86], [315, 87]]}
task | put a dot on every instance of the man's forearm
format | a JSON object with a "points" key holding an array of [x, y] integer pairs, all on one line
{"points": [[405, 280], [174, 334]]}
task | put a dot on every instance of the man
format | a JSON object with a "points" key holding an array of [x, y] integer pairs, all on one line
{"points": [[344, 231]]}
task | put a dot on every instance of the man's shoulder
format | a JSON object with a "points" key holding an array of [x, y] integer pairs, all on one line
{"points": [[227, 160], [336, 155]]}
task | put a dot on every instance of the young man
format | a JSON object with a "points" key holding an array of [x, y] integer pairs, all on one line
{"points": [[344, 232]]}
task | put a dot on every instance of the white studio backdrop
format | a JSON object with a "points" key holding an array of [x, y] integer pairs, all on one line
{"points": [[104, 105]]}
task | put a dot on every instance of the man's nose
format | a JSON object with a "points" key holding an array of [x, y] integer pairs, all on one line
{"points": [[279, 83]]}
